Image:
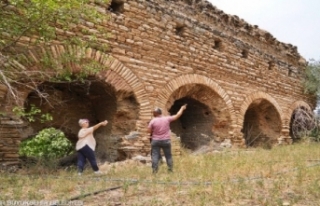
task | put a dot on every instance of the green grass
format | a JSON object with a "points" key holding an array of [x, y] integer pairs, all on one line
{"points": [[288, 174]]}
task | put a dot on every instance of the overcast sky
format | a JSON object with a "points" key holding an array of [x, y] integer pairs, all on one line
{"points": [[290, 21]]}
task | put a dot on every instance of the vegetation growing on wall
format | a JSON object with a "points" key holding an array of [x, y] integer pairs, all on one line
{"points": [[37, 24]]}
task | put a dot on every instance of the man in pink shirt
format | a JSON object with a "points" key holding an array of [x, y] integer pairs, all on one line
{"points": [[159, 128]]}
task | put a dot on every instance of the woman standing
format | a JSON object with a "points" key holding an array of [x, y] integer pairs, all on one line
{"points": [[86, 145]]}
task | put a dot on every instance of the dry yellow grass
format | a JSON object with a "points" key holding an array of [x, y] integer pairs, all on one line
{"points": [[286, 175]]}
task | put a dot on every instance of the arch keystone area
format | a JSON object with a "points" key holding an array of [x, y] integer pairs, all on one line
{"points": [[126, 78], [258, 95], [173, 85]]}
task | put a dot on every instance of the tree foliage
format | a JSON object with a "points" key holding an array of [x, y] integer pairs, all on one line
{"points": [[42, 19], [48, 143], [32, 24], [312, 82]]}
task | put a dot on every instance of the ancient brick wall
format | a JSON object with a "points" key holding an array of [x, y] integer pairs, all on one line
{"points": [[171, 44], [231, 74]]}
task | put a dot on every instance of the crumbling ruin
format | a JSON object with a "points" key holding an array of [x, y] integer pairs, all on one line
{"points": [[240, 83]]}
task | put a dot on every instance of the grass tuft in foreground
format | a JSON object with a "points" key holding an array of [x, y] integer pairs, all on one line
{"points": [[286, 174]]}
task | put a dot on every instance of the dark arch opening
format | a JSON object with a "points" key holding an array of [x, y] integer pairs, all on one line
{"points": [[207, 120], [262, 124], [195, 125], [92, 99], [68, 102]]}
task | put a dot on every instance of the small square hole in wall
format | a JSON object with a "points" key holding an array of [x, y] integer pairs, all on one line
{"points": [[217, 45], [290, 72], [180, 29], [271, 65], [244, 53], [189, 2], [116, 6]]}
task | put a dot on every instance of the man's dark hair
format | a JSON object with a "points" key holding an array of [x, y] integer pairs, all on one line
{"points": [[158, 110]]}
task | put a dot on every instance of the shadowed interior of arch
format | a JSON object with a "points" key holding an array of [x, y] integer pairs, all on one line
{"points": [[194, 126], [94, 100], [262, 124], [206, 120]]}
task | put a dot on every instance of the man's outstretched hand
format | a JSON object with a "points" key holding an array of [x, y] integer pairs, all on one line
{"points": [[184, 107]]}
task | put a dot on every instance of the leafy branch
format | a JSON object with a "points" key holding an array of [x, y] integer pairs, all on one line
{"points": [[39, 24], [312, 81], [32, 114]]}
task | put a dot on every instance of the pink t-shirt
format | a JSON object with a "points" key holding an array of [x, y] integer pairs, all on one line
{"points": [[160, 127], [85, 136]]}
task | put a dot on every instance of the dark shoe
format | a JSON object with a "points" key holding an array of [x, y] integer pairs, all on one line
{"points": [[170, 170], [154, 171]]}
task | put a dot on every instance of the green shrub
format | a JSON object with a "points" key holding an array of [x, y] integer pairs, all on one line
{"points": [[48, 143], [315, 134]]}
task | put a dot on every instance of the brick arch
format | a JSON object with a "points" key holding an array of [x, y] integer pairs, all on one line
{"points": [[173, 85], [118, 75], [254, 96]]}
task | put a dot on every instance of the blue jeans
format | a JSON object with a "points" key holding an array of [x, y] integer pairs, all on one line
{"points": [[86, 153], [165, 145]]}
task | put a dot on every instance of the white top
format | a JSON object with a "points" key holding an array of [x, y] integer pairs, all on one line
{"points": [[85, 136]]}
